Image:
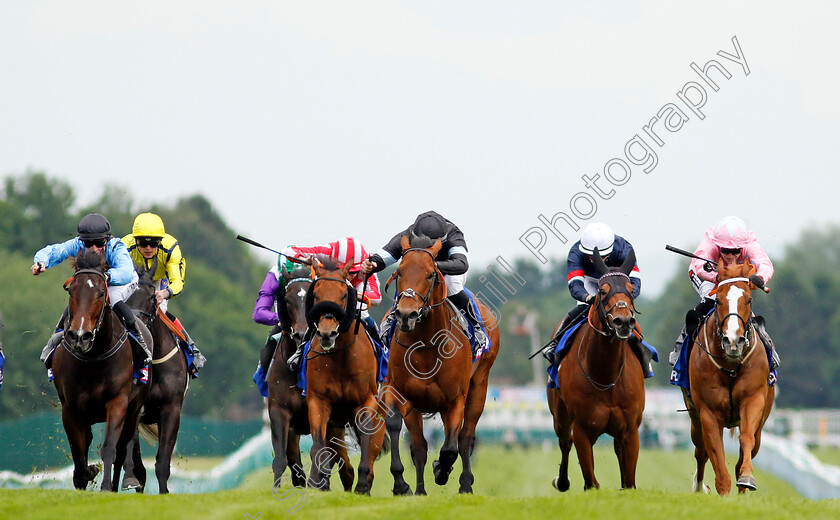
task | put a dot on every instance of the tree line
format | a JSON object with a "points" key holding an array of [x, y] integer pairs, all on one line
{"points": [[223, 277]]}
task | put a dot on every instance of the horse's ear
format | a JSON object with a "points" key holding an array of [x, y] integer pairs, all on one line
{"points": [[345, 271], [751, 268], [405, 242], [435, 249], [721, 266], [629, 262], [317, 266], [600, 267]]}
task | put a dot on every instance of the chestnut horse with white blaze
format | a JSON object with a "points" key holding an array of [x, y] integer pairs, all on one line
{"points": [[431, 369], [728, 378], [601, 381]]}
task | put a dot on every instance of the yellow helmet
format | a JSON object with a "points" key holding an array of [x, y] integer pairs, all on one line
{"points": [[148, 225]]}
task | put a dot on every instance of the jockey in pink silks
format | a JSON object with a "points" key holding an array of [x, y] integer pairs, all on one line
{"points": [[733, 242]]}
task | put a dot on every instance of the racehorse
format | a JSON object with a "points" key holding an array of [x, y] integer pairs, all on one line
{"points": [[600, 383], [431, 369], [287, 410], [93, 368], [341, 374], [728, 379], [161, 415]]}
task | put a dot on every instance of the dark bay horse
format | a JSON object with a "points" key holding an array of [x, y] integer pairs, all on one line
{"points": [[287, 410], [431, 370], [601, 382], [93, 368], [728, 372], [161, 415], [341, 374]]}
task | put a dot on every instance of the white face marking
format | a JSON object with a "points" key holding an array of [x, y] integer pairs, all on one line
{"points": [[732, 296], [82, 325], [302, 292], [90, 284]]}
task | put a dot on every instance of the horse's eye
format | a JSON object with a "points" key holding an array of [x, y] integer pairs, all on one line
{"points": [[431, 275]]}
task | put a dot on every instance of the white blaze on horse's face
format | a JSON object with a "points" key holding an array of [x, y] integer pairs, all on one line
{"points": [[732, 296], [302, 293]]}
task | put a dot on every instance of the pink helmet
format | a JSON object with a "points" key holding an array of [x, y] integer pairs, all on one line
{"points": [[348, 249], [731, 233]]}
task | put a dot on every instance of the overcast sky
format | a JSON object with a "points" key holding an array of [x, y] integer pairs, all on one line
{"points": [[306, 121]]}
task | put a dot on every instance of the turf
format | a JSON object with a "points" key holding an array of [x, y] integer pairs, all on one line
{"points": [[510, 483]]}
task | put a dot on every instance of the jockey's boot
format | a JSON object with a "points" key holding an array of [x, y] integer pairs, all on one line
{"points": [[462, 303], [761, 328], [267, 352], [675, 354], [548, 350], [385, 329], [370, 327], [142, 354], [294, 359], [55, 339], [198, 357]]}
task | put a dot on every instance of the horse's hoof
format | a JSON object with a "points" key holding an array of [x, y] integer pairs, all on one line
{"points": [[441, 476], [465, 490], [420, 491], [403, 490], [560, 486], [747, 482], [130, 483]]}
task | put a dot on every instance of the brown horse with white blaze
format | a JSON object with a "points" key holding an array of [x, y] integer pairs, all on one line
{"points": [[601, 382], [431, 369], [728, 378]]}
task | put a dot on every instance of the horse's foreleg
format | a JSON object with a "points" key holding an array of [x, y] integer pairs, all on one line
{"points": [[168, 426], [115, 420], [419, 449], [751, 412], [135, 472], [345, 469], [78, 436], [473, 409], [563, 430], [319, 415], [712, 431], [371, 430], [627, 452], [700, 455], [279, 419], [393, 423], [294, 460], [583, 447], [453, 419]]}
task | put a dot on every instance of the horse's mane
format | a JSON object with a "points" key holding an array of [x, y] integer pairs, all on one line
{"points": [[90, 260]]}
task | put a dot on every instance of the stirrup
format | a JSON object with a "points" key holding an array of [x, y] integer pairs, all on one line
{"points": [[294, 359]]}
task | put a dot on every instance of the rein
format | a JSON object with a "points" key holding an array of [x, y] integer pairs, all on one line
{"points": [[605, 313], [423, 345], [113, 350]]}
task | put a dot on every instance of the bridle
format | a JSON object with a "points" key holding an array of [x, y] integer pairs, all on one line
{"points": [[748, 335], [80, 355], [747, 328], [425, 306], [605, 315]]}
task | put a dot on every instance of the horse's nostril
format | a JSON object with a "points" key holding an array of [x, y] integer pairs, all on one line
{"points": [[632, 322], [72, 336], [87, 336]]}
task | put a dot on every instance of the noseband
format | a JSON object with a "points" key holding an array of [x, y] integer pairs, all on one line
{"points": [[80, 355], [425, 307], [605, 314]]}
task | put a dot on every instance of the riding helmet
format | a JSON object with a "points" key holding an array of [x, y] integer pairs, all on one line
{"points": [[94, 226], [148, 225], [597, 235], [430, 225]]}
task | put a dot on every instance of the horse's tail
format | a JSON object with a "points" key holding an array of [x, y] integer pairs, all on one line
{"points": [[150, 433]]}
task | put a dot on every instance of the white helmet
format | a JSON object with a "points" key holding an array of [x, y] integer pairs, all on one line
{"points": [[597, 235]]}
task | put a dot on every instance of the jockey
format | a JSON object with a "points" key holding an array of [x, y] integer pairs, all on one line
{"points": [[583, 283], [148, 241], [346, 249], [95, 235], [733, 242], [451, 261]]}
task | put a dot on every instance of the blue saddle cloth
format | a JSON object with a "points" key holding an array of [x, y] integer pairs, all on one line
{"points": [[566, 338], [2, 363], [379, 350], [679, 375]]}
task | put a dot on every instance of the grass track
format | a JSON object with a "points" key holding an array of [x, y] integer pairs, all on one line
{"points": [[509, 484]]}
